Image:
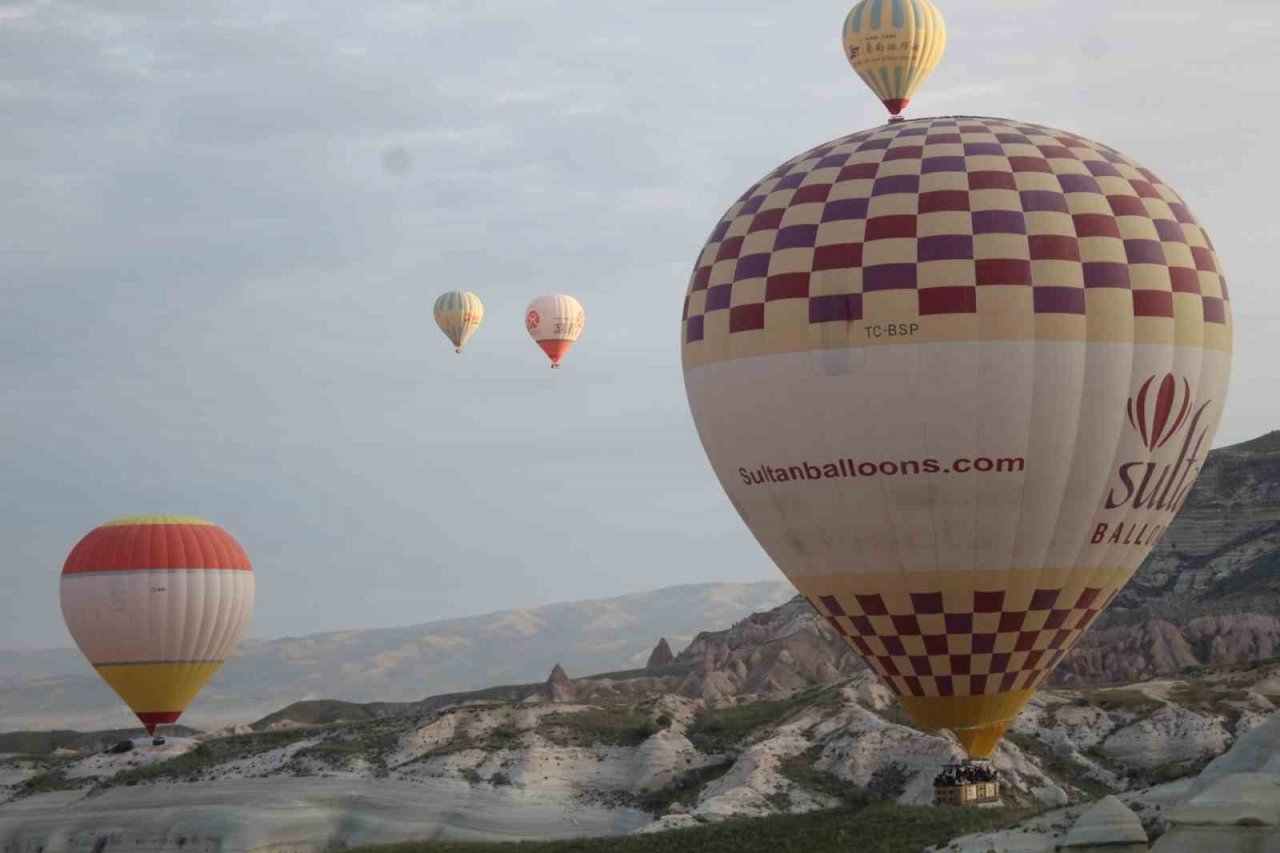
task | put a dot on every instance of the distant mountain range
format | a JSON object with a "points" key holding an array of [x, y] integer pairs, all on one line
{"points": [[1208, 594], [55, 689]]}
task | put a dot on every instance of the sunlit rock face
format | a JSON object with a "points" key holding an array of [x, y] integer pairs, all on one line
{"points": [[1108, 826], [1234, 804]]}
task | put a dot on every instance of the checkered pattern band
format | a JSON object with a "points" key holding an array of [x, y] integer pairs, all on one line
{"points": [[973, 643], [970, 228]]}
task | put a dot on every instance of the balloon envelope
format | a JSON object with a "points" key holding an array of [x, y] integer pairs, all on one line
{"points": [[957, 375], [894, 45], [554, 322], [157, 604], [458, 313]]}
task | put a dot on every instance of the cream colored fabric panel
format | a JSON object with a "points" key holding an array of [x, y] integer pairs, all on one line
{"points": [[993, 455], [158, 615]]}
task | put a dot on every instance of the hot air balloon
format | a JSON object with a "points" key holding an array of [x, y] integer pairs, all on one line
{"points": [[157, 604], [555, 322], [458, 314], [957, 375], [894, 45]]}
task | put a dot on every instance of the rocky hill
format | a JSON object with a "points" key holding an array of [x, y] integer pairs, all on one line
{"points": [[57, 689], [773, 715], [473, 767], [1210, 591]]}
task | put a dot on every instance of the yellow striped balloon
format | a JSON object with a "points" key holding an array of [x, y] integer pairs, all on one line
{"points": [[894, 45], [157, 604], [458, 314]]}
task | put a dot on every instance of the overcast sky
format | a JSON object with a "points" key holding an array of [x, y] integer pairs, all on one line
{"points": [[223, 224]]}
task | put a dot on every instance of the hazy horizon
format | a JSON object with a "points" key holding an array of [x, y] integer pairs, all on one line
{"points": [[224, 226], [256, 638]]}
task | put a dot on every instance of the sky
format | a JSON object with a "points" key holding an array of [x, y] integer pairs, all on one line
{"points": [[223, 224]]}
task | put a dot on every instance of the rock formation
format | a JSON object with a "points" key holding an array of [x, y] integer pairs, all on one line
{"points": [[1234, 804], [661, 655], [558, 687], [1108, 826]]}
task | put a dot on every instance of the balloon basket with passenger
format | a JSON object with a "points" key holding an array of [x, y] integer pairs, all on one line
{"points": [[966, 783]]}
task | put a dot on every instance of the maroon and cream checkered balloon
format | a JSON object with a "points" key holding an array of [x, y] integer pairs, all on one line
{"points": [[957, 375]]}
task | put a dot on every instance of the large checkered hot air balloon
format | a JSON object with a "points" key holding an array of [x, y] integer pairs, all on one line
{"points": [[957, 375], [157, 604], [894, 45]]}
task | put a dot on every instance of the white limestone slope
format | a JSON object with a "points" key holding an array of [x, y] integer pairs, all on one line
{"points": [[305, 814]]}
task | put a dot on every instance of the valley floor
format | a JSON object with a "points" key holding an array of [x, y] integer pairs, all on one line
{"points": [[882, 828]]}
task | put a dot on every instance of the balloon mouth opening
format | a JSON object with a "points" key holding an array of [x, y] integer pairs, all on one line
{"points": [[980, 742], [555, 349], [151, 719], [895, 106]]}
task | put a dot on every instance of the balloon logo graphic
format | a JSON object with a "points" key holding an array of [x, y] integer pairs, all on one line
{"points": [[957, 375], [459, 313], [532, 320], [157, 604], [1156, 409]]}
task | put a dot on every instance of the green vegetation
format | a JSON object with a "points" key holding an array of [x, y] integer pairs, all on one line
{"points": [[503, 737], [779, 801], [883, 828], [719, 730], [1121, 701], [368, 742], [889, 781], [46, 782], [886, 783], [1171, 771], [801, 771], [1197, 695], [684, 789], [1058, 766], [192, 765], [607, 726], [1095, 754]]}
